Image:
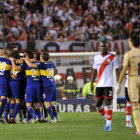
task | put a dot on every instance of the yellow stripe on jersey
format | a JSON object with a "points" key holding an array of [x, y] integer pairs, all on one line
{"points": [[47, 72], [4, 66], [32, 72]]}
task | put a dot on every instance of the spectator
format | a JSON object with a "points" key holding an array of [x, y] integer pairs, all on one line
{"points": [[86, 90], [70, 89], [59, 85]]}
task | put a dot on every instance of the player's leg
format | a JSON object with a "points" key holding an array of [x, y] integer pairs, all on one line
{"points": [[29, 96], [3, 94], [128, 110], [11, 108], [38, 103], [108, 95], [6, 110], [134, 94], [99, 101], [47, 98], [54, 98], [16, 94]]}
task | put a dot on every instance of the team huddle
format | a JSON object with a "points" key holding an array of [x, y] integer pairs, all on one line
{"points": [[26, 81]]}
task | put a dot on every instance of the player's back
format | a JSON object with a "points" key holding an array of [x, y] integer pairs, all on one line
{"points": [[32, 74], [134, 62], [47, 73], [5, 66]]}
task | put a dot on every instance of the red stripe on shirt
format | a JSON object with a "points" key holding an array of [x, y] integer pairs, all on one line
{"points": [[104, 65]]}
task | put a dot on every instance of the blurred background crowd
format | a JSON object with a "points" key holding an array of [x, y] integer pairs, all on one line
{"points": [[62, 20]]}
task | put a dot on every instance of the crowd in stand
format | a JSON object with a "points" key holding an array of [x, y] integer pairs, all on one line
{"points": [[62, 20]]}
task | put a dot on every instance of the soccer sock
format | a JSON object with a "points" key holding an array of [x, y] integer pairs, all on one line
{"points": [[24, 110], [45, 113], [128, 112], [101, 111], [136, 114], [6, 110], [11, 108], [16, 109], [32, 112], [40, 108], [20, 112], [54, 111], [2, 105], [49, 110], [108, 115], [37, 113]]}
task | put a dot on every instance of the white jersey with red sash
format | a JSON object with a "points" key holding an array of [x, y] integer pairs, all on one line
{"points": [[104, 66]]}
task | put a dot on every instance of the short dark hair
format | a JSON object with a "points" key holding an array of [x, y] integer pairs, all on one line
{"points": [[15, 54], [45, 56], [135, 39], [38, 56], [30, 54]]}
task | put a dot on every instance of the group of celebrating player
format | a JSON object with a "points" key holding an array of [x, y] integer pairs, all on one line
{"points": [[30, 78]]}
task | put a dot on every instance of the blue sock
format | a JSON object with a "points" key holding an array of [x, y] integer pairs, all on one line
{"points": [[29, 116], [45, 113], [2, 105], [40, 108], [16, 109], [54, 111], [37, 113], [24, 111], [32, 112], [6, 110], [49, 110], [20, 112], [11, 108]]}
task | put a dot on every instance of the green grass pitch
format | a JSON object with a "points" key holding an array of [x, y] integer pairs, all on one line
{"points": [[73, 126]]}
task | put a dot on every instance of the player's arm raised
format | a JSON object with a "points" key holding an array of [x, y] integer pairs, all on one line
{"points": [[31, 65]]}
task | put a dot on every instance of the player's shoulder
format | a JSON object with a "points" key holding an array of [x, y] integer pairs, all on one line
{"points": [[97, 55]]}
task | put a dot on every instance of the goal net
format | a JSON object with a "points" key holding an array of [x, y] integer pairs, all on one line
{"points": [[75, 68]]}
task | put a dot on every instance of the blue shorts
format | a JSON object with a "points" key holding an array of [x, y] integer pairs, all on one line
{"points": [[14, 89], [49, 94], [33, 93], [3, 87]]}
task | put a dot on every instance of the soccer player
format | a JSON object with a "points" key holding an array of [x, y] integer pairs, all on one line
{"points": [[33, 87], [5, 67], [49, 87], [132, 63], [128, 105], [15, 88], [103, 66]]}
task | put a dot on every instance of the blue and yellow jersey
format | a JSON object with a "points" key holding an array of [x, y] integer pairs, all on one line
{"points": [[18, 74], [47, 73], [32, 74], [5, 67]]}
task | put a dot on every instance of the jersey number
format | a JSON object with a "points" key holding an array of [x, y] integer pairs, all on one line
{"points": [[2, 66], [50, 73], [33, 72], [138, 68]]}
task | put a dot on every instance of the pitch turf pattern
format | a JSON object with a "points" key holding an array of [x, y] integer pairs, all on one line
{"points": [[73, 126]]}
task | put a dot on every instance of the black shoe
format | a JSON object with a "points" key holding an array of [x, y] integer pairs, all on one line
{"points": [[12, 121], [136, 133]]}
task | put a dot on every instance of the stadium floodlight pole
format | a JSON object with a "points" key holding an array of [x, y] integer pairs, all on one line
{"points": [[3, 22]]}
